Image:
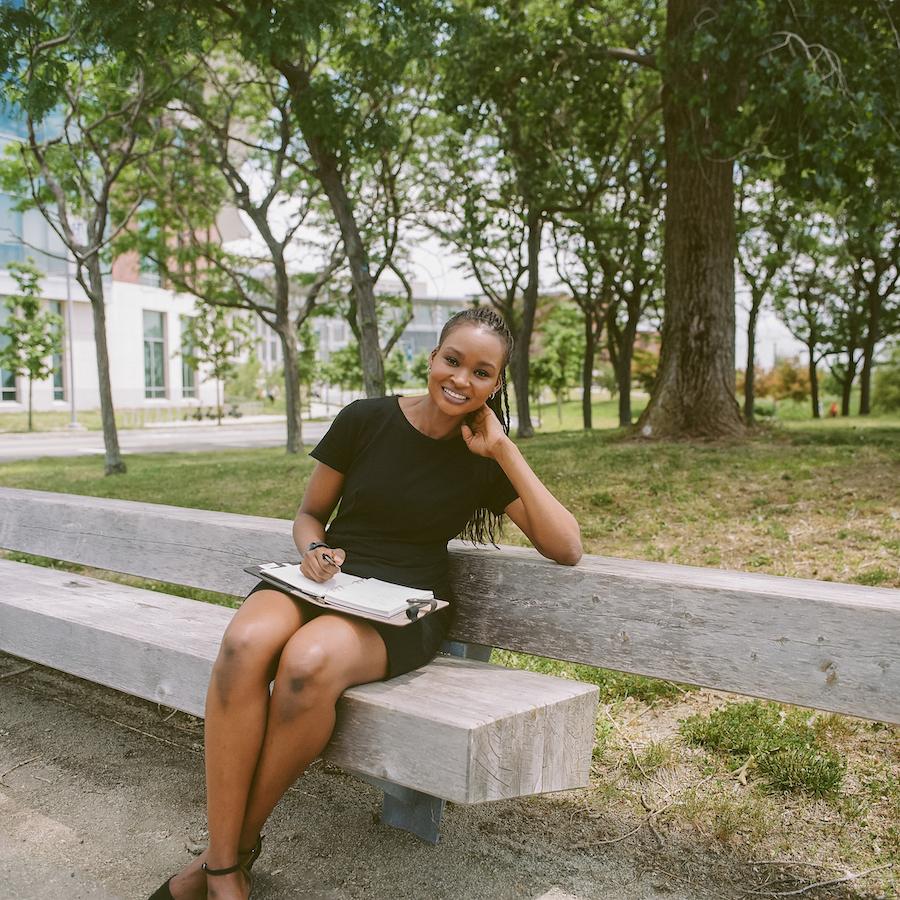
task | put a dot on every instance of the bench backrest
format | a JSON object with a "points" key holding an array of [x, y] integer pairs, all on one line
{"points": [[819, 644]]}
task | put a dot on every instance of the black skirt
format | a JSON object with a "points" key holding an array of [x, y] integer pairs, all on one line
{"points": [[408, 646]]}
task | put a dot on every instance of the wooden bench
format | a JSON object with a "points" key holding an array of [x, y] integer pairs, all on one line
{"points": [[457, 729]]}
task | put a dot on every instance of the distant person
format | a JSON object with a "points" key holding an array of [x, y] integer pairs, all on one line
{"points": [[410, 473], [833, 411]]}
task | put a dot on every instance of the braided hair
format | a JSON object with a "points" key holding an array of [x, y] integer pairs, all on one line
{"points": [[484, 525]]}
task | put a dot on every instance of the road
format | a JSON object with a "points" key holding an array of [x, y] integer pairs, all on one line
{"points": [[263, 431]]}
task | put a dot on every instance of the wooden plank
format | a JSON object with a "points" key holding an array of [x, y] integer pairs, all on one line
{"points": [[820, 644], [415, 730]]}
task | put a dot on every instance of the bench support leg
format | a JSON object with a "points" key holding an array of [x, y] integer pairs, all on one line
{"points": [[467, 651], [415, 812], [410, 810]]}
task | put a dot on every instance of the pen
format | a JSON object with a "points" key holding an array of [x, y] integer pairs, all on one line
{"points": [[328, 559]]}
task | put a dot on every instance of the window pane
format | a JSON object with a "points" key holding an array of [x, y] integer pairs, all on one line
{"points": [[154, 355], [153, 325], [188, 383], [7, 378]]}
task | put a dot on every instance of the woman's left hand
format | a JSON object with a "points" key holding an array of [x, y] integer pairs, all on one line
{"points": [[483, 432]]}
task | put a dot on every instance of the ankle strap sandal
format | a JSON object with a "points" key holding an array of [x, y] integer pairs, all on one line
{"points": [[253, 851], [226, 871]]}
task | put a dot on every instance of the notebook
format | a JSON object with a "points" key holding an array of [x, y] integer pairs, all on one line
{"points": [[370, 597]]}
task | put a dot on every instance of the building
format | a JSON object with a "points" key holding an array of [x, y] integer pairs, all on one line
{"points": [[144, 320]]}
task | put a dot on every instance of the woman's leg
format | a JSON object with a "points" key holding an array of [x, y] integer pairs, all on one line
{"points": [[236, 710], [318, 663]]}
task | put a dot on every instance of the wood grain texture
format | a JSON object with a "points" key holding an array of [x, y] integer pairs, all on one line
{"points": [[422, 730], [819, 644]]}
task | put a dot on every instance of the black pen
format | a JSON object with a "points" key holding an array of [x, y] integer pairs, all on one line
{"points": [[328, 559]]}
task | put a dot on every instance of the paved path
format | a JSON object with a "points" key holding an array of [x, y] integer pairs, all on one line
{"points": [[268, 431]]}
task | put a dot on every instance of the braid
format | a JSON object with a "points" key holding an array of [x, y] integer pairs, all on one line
{"points": [[483, 525]]}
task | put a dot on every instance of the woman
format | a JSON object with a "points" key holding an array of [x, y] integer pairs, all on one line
{"points": [[410, 473]]}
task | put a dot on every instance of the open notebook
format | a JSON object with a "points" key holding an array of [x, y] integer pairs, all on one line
{"points": [[368, 597]]}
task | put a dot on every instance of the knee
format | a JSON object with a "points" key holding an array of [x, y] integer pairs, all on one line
{"points": [[244, 646], [302, 677]]}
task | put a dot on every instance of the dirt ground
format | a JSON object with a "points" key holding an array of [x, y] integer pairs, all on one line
{"points": [[102, 797]]}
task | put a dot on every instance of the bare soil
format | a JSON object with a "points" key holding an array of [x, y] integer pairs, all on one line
{"points": [[102, 796]]}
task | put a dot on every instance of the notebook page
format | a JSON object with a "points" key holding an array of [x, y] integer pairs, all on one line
{"points": [[291, 574], [377, 596]]}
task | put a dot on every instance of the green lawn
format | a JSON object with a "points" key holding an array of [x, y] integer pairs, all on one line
{"points": [[814, 502]]}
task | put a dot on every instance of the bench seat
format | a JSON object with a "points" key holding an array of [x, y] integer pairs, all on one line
{"points": [[456, 729]]}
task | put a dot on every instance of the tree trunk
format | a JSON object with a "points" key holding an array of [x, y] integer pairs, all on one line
{"points": [[113, 464], [292, 398], [750, 374], [219, 389], [360, 276], [333, 184], [30, 384], [847, 385], [694, 394], [623, 371], [587, 371], [814, 383], [523, 339], [873, 327]]}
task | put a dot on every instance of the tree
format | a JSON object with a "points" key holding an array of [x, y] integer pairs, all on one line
{"points": [[237, 144], [31, 335], [872, 246], [805, 82], [887, 383], [343, 368], [559, 364], [507, 129], [418, 368], [395, 371], [216, 339], [762, 224], [802, 289], [90, 112]]}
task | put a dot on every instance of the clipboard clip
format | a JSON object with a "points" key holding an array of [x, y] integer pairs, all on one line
{"points": [[416, 606]]}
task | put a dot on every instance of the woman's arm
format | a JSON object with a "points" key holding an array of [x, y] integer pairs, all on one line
{"points": [[323, 490], [543, 519]]}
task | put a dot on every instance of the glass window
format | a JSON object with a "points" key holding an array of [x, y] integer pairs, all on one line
{"points": [[59, 382], [7, 378], [154, 355], [423, 314], [188, 375], [11, 247]]}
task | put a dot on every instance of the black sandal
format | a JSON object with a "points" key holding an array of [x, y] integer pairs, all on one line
{"points": [[227, 871], [253, 851], [164, 893]]}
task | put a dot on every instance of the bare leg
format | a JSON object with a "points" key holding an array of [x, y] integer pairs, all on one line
{"points": [[237, 702], [317, 665]]}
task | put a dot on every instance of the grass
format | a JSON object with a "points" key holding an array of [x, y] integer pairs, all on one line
{"points": [[789, 753]]}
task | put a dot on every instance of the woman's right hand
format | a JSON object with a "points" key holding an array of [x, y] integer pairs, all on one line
{"points": [[314, 566]]}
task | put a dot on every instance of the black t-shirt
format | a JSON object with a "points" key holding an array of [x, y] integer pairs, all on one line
{"points": [[405, 494]]}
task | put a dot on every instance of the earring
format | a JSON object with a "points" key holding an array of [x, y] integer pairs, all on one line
{"points": [[491, 397]]}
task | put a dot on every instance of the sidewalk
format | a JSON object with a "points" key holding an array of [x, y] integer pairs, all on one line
{"points": [[262, 431]]}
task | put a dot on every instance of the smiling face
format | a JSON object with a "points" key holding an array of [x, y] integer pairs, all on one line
{"points": [[465, 369]]}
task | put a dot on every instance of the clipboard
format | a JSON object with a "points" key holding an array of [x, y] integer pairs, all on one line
{"points": [[415, 610]]}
